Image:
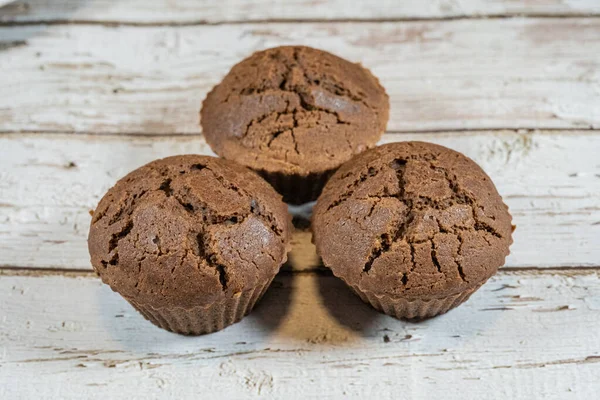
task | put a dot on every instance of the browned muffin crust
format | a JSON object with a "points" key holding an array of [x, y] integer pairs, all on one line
{"points": [[188, 231], [412, 220], [296, 110]]}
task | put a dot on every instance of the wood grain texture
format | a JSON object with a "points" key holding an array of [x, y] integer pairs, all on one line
{"points": [[207, 11], [464, 74], [49, 183], [521, 336]]}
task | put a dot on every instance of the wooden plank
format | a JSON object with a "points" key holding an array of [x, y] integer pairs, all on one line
{"points": [[193, 11], [48, 184], [522, 336], [464, 74]]}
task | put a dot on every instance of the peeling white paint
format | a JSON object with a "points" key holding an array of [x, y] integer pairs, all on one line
{"points": [[309, 337], [460, 74], [548, 179]]}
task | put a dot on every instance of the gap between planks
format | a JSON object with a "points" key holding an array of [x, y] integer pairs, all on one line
{"points": [[201, 22], [11, 270], [157, 135]]}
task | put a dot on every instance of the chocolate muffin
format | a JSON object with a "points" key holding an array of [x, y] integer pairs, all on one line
{"points": [[192, 242], [295, 114], [413, 228]]}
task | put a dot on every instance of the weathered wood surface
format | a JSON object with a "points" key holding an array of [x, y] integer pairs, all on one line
{"points": [[522, 336], [208, 11], [441, 75], [49, 183], [143, 67]]}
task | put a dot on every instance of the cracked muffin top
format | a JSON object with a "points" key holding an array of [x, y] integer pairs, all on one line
{"points": [[295, 110], [187, 231], [412, 220]]}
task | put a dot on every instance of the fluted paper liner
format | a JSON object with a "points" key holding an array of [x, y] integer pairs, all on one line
{"points": [[297, 189], [202, 320], [414, 309]]}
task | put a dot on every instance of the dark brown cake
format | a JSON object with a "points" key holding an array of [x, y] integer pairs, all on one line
{"points": [[414, 228], [295, 114], [192, 242]]}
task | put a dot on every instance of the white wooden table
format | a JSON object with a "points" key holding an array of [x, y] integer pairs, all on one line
{"points": [[90, 89]]}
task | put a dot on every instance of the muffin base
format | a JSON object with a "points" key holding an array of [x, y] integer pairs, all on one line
{"points": [[203, 320], [414, 309], [297, 189]]}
